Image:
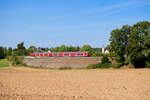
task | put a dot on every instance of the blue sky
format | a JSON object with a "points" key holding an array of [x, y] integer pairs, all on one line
{"points": [[50, 23]]}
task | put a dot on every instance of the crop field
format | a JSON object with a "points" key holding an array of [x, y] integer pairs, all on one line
{"points": [[81, 84]]}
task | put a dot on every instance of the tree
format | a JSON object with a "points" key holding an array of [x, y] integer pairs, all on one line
{"points": [[97, 50], [32, 47], [132, 43], [9, 51], [119, 42], [87, 48], [63, 48], [57, 49], [21, 50], [73, 48], [139, 43], [2, 53], [77, 48], [21, 46]]}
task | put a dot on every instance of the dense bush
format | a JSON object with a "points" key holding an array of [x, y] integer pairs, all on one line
{"points": [[105, 59], [93, 66], [117, 65], [147, 64], [99, 65], [131, 44], [16, 59], [104, 64], [2, 53]]}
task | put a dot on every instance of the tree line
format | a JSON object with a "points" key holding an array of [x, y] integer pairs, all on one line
{"points": [[21, 50]]}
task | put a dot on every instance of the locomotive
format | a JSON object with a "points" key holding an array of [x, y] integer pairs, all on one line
{"points": [[61, 54]]}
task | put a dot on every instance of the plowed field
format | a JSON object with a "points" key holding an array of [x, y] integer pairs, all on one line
{"points": [[99, 84]]}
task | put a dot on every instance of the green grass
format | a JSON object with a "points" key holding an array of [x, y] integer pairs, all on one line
{"points": [[99, 65], [4, 63]]}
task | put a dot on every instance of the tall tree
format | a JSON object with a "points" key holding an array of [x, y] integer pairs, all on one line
{"points": [[21, 46], [119, 42], [139, 42], [87, 48], [63, 48], [9, 51], [2, 53], [132, 43]]}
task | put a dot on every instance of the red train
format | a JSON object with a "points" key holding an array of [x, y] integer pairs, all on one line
{"points": [[61, 54]]}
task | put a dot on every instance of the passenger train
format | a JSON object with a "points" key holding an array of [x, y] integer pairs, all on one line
{"points": [[61, 54]]}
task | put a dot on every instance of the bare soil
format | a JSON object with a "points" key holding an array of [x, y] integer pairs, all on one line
{"points": [[99, 84]]}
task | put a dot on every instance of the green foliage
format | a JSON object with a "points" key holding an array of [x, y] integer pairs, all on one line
{"points": [[9, 51], [19, 51], [97, 49], [119, 42], [127, 62], [32, 47], [105, 59], [2, 53], [147, 64], [93, 66], [21, 46], [117, 65], [99, 65], [131, 44], [16, 60], [87, 48], [4, 63], [96, 54], [138, 43], [104, 64], [64, 48]]}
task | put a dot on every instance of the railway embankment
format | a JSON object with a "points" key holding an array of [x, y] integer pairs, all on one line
{"points": [[59, 62]]}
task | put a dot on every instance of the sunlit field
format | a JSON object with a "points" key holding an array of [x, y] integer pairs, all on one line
{"points": [[80, 84]]}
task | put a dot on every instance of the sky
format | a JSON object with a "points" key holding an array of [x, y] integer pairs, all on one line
{"points": [[51, 23]]}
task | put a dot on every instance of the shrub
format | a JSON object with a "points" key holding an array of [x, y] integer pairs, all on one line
{"points": [[106, 65], [147, 64], [2, 53], [127, 62], [99, 65], [105, 59], [93, 66], [16, 59], [117, 65]]}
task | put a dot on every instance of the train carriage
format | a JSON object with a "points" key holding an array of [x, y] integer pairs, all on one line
{"points": [[61, 54]]}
